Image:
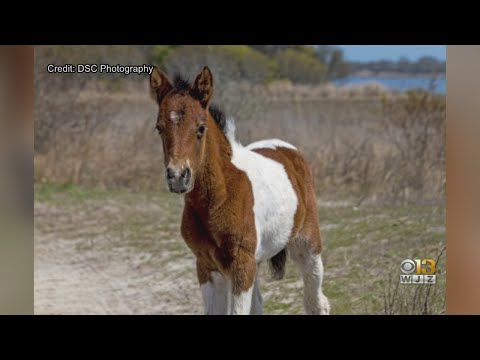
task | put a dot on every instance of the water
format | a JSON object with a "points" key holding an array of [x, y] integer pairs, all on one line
{"points": [[397, 83]]}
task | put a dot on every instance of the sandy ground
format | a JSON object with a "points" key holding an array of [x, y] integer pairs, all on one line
{"points": [[77, 275], [88, 283], [121, 253]]}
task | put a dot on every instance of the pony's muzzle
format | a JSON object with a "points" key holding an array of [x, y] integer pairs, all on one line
{"points": [[179, 180]]}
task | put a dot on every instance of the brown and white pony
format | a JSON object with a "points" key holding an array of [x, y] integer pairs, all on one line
{"points": [[243, 205]]}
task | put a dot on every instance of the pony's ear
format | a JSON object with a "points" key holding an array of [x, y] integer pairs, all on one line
{"points": [[159, 85], [202, 89]]}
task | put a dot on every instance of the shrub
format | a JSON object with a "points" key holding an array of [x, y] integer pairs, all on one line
{"points": [[160, 53], [228, 62], [415, 125], [299, 66]]}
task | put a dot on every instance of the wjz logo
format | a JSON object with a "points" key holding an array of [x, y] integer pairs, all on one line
{"points": [[418, 271]]}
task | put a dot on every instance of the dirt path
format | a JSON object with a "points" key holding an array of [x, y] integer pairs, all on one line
{"points": [[70, 283], [91, 273]]}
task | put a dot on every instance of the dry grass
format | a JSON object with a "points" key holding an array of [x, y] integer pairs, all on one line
{"points": [[96, 137], [285, 91], [372, 146], [414, 299]]}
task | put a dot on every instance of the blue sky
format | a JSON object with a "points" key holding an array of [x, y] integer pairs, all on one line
{"points": [[392, 52]]}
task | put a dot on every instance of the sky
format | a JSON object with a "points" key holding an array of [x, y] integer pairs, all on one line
{"points": [[392, 52]]}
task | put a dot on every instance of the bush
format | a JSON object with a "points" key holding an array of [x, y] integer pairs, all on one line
{"points": [[254, 66], [299, 66], [160, 53], [416, 125], [298, 63], [228, 62]]}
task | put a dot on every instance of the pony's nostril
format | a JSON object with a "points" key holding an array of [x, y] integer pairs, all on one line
{"points": [[186, 174], [170, 173]]}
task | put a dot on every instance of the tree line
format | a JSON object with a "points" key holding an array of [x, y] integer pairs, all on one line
{"points": [[302, 64], [259, 63]]}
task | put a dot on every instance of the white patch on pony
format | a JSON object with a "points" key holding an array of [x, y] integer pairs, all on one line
{"points": [[275, 201], [230, 131], [270, 144], [174, 117], [242, 303]]}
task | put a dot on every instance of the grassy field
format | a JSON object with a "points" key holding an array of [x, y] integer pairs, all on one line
{"points": [[120, 252]]}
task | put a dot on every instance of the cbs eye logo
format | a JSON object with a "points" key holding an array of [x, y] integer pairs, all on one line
{"points": [[418, 271]]}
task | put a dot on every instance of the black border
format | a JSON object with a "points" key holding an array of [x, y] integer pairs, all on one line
{"points": [[241, 24]]}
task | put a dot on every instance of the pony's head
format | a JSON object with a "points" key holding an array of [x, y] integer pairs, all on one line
{"points": [[182, 124]]}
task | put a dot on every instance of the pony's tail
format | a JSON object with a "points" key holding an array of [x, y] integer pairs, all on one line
{"points": [[277, 265]]}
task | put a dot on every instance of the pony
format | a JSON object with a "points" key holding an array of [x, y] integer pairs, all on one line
{"points": [[244, 205]]}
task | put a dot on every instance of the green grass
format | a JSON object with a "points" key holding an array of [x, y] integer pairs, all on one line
{"points": [[363, 251], [274, 306], [366, 248]]}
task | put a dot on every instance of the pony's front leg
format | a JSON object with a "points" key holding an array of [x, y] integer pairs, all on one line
{"points": [[216, 291], [219, 298], [243, 273], [229, 291]]}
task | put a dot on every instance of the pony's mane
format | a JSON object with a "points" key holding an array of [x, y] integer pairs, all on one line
{"points": [[182, 84]]}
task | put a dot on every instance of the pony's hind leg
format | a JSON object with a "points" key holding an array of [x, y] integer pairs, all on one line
{"points": [[307, 257]]}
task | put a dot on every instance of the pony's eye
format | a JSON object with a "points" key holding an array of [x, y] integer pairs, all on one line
{"points": [[159, 129], [201, 130]]}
